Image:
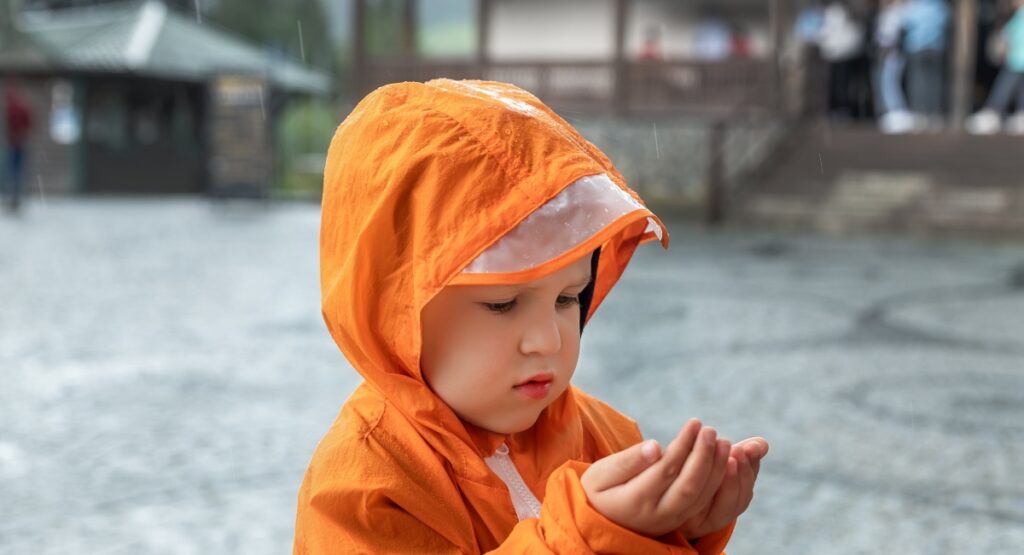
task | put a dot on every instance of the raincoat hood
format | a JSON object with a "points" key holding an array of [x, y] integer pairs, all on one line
{"points": [[420, 180]]}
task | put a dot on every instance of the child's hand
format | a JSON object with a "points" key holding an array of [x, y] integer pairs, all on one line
{"points": [[736, 491], [652, 496]]}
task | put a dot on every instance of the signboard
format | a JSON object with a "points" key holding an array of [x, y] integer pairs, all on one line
{"points": [[241, 162]]}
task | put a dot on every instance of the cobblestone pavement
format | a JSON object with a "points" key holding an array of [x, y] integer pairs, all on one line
{"points": [[166, 375]]}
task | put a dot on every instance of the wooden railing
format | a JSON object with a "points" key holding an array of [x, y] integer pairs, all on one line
{"points": [[598, 86], [722, 94]]}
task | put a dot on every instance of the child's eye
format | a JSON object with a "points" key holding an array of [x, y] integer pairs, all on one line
{"points": [[565, 301], [500, 308]]}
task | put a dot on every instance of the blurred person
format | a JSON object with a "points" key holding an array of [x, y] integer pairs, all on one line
{"points": [[808, 23], [891, 103], [806, 53], [468, 234], [18, 120], [651, 50], [840, 41], [1009, 83], [739, 44], [926, 24], [712, 37]]}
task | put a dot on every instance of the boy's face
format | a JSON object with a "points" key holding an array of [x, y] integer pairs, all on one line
{"points": [[499, 354]]}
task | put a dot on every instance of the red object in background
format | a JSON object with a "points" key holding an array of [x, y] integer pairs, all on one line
{"points": [[651, 50], [19, 118], [739, 46]]}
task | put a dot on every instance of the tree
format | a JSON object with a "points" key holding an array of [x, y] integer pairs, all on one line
{"points": [[297, 29]]}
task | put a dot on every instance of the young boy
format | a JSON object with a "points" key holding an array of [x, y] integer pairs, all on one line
{"points": [[468, 234]]}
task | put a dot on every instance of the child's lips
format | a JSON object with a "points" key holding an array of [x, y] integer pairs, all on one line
{"points": [[536, 387]]}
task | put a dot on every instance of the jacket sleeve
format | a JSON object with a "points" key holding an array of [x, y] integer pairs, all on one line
{"points": [[568, 524], [336, 518], [333, 520]]}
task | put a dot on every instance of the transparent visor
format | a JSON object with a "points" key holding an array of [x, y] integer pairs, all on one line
{"points": [[580, 218]]}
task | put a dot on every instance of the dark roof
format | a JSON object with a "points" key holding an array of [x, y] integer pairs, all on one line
{"points": [[145, 38]]}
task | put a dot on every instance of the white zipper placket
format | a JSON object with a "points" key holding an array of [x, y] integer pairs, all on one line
{"points": [[526, 504]]}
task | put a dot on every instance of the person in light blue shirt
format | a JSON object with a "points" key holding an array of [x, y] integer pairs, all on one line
{"points": [[1009, 83], [808, 23], [1013, 33], [926, 26]]}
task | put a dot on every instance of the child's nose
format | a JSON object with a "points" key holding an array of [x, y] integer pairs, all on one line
{"points": [[541, 337]]}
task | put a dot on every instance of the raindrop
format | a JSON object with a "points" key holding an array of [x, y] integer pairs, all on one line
{"points": [[657, 148], [42, 192], [199, 13], [302, 46]]}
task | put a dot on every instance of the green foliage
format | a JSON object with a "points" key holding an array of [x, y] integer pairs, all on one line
{"points": [[304, 131], [383, 28], [276, 24]]}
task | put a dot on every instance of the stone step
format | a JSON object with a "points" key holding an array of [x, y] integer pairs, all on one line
{"points": [[845, 179], [820, 153]]}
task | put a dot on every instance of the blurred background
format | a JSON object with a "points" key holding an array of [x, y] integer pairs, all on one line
{"points": [[844, 181]]}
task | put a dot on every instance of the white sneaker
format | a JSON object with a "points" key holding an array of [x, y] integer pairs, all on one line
{"points": [[985, 122], [896, 122], [1015, 124]]}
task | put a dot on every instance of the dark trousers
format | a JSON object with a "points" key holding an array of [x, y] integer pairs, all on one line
{"points": [[849, 88], [1008, 83], [926, 81], [15, 175], [839, 102]]}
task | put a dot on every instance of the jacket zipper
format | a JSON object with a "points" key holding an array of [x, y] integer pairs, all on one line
{"points": [[525, 503]]}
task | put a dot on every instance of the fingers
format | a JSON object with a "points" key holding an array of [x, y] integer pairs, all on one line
{"points": [[737, 489], [715, 477], [724, 504], [745, 473], [755, 464], [755, 448], [682, 496], [656, 480], [619, 468], [697, 511]]}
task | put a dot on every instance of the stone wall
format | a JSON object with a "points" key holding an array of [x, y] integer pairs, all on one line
{"points": [[667, 159]]}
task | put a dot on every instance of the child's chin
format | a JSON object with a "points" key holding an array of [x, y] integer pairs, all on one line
{"points": [[520, 425]]}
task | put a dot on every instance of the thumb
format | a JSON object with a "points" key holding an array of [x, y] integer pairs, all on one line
{"points": [[619, 468]]}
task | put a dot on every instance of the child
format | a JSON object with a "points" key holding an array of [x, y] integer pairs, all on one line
{"points": [[468, 234]]}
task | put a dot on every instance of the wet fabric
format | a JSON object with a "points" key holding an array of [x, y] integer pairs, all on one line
{"points": [[421, 180], [574, 222]]}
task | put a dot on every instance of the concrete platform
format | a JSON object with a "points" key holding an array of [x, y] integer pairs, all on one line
{"points": [[166, 375]]}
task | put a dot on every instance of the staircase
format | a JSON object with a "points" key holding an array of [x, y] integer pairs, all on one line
{"points": [[852, 178]]}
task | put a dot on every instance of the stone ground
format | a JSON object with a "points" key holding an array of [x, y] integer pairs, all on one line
{"points": [[166, 376]]}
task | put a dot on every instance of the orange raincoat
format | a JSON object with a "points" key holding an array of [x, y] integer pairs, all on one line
{"points": [[420, 179]]}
